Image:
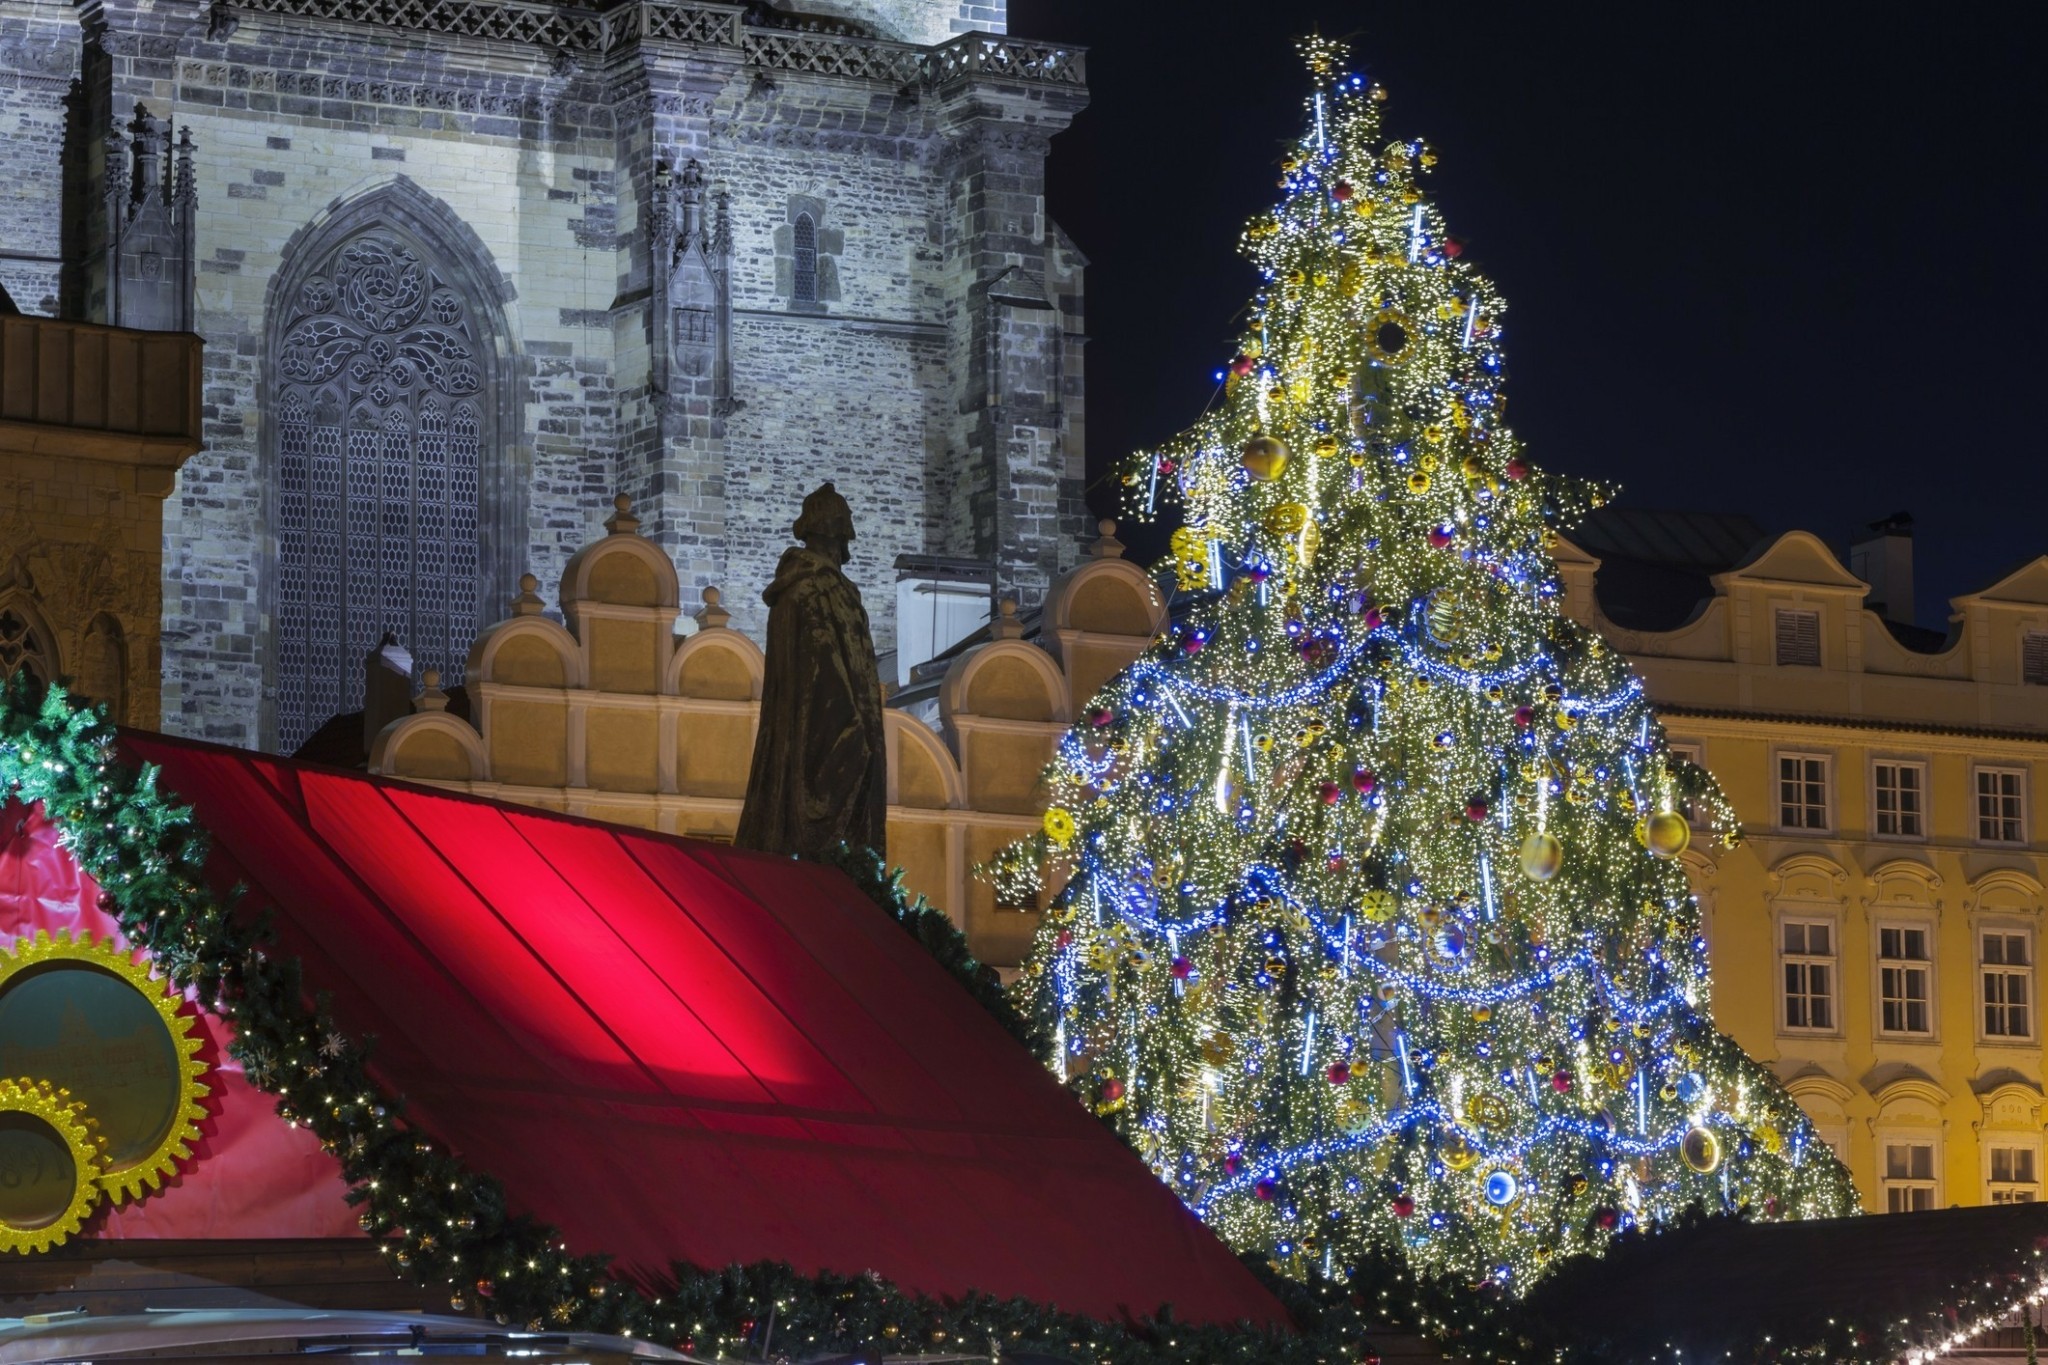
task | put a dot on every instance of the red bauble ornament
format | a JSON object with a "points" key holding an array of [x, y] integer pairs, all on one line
{"points": [[1331, 793], [1233, 1163], [1365, 781], [1373, 619], [1516, 469], [1065, 939], [1191, 645], [1340, 1073], [747, 1326], [1182, 969], [1560, 1081], [1112, 1090], [1439, 536], [486, 1288], [1342, 191], [1101, 716], [1242, 365], [1403, 1206], [1605, 1219], [1166, 466], [1336, 863], [1525, 716], [1266, 1189], [1453, 248], [1475, 810]]}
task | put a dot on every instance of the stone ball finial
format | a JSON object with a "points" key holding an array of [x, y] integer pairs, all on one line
{"points": [[1006, 626], [1107, 546], [713, 616], [527, 602], [621, 522], [431, 697], [623, 503]]}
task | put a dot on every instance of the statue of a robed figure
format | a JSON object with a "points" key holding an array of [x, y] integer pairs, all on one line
{"points": [[820, 774]]}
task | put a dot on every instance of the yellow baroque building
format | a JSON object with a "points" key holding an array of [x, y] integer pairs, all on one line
{"points": [[1875, 936]]}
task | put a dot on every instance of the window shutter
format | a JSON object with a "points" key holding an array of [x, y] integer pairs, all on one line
{"points": [[2034, 659], [1799, 638]]}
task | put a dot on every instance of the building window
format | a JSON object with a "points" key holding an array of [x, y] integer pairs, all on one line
{"points": [[2001, 806], [1798, 638], [2008, 971], [1908, 1177], [2034, 658], [25, 646], [1803, 791], [2012, 1176], [1901, 804], [1904, 973], [1694, 811], [804, 240], [1809, 974], [381, 404]]}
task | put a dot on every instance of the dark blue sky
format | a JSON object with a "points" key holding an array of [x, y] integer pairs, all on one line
{"points": [[1784, 260]]}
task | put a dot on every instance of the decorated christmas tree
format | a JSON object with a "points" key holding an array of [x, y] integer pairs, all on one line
{"points": [[1375, 932]]}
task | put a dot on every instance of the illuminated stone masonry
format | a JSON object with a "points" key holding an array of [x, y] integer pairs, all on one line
{"points": [[500, 259]]}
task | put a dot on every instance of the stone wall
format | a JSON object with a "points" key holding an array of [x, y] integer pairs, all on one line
{"points": [[532, 161], [38, 58], [916, 21]]}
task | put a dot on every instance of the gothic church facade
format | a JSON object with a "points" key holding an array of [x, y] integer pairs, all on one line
{"points": [[467, 268]]}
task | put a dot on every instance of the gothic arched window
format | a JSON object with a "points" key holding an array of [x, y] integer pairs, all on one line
{"points": [[805, 249], [380, 392], [25, 643]]}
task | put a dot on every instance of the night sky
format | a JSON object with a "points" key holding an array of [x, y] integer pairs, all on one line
{"points": [[1786, 261]]}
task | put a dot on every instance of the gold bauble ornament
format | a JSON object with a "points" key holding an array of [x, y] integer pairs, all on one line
{"points": [[1379, 906], [1701, 1150], [1287, 518], [1542, 857], [1666, 834], [1418, 482], [1263, 457], [1457, 1153], [1327, 445]]}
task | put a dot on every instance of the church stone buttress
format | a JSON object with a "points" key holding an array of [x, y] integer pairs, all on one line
{"points": [[472, 284]]}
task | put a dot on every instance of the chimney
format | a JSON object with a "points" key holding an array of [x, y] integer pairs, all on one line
{"points": [[1883, 558], [387, 686]]}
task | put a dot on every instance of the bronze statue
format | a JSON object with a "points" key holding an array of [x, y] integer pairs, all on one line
{"points": [[820, 772]]}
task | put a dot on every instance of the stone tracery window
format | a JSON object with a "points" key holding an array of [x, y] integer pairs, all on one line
{"points": [[25, 645], [382, 423]]}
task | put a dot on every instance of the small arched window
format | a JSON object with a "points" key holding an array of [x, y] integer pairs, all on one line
{"points": [[25, 645], [805, 249]]}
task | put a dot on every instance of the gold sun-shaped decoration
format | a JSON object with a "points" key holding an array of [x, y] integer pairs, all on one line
{"points": [[82, 1014], [51, 1162]]}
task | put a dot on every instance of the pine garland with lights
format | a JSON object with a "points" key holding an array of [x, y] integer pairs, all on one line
{"points": [[1375, 937], [441, 1223]]}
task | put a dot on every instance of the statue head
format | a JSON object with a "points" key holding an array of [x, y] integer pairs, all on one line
{"points": [[826, 524]]}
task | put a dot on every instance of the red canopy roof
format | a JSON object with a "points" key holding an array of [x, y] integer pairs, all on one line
{"points": [[672, 1050]]}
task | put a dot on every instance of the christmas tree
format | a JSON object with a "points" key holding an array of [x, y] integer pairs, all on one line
{"points": [[1375, 934]]}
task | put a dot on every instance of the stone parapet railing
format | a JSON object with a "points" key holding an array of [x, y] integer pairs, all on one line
{"points": [[578, 29], [93, 392]]}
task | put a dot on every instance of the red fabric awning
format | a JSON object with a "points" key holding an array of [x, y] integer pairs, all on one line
{"points": [[672, 1050]]}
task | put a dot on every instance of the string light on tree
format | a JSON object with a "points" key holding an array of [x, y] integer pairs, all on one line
{"points": [[1376, 935]]}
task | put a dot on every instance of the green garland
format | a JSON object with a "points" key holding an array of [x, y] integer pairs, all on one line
{"points": [[442, 1223]]}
